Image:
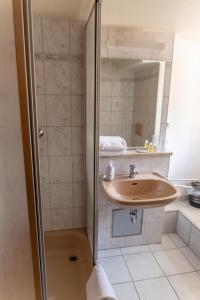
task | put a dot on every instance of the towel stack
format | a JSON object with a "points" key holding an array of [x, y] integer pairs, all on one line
{"points": [[112, 143]]}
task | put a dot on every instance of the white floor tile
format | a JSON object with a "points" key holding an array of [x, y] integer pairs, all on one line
{"points": [[136, 249], [166, 243], [173, 262], [109, 252], [177, 240], [155, 289], [187, 286], [143, 266], [191, 256], [125, 291], [115, 269]]}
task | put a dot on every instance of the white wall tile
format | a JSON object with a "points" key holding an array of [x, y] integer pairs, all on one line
{"points": [[77, 37], [41, 110], [39, 75], [46, 220], [153, 215], [183, 228], [57, 77], [62, 219], [45, 196], [170, 222], [79, 217], [79, 194], [59, 141], [55, 34], [194, 242], [78, 168], [76, 74], [44, 170], [43, 143], [102, 216], [58, 110], [61, 195], [37, 33], [77, 104], [60, 169], [78, 140]]}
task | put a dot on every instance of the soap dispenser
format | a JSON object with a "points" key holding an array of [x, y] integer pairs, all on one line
{"points": [[110, 171]]}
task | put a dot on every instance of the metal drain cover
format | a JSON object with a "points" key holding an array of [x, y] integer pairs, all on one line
{"points": [[73, 258]]}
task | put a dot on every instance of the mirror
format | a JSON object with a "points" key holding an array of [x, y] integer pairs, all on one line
{"points": [[131, 99]]}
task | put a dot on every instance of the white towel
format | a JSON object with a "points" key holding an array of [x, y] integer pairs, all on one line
{"points": [[112, 143], [98, 286]]}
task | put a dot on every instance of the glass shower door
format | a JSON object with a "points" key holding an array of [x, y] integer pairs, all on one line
{"points": [[93, 30]]}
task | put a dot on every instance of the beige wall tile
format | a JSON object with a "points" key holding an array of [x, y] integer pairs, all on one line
{"points": [[79, 194], [61, 195], [39, 74], [78, 140], [77, 37], [43, 143], [59, 141], [58, 110], [37, 33], [62, 219], [79, 217], [46, 220], [77, 80], [60, 169], [44, 170], [78, 168], [55, 32], [57, 77], [45, 196], [77, 103], [41, 110]]}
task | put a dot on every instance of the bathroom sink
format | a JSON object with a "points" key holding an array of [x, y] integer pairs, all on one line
{"points": [[144, 190]]}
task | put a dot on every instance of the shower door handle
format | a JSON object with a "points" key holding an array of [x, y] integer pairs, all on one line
{"points": [[40, 132]]}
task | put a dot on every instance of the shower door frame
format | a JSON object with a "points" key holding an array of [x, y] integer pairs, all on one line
{"points": [[97, 46], [22, 17]]}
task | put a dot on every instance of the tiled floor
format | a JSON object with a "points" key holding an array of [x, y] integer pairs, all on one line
{"points": [[167, 271]]}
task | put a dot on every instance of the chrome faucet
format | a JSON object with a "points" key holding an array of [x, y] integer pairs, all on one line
{"points": [[132, 171]]}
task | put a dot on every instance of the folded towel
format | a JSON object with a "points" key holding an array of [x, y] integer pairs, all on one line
{"points": [[98, 286], [112, 143]]}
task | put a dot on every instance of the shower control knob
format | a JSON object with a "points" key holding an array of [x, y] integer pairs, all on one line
{"points": [[40, 132]]}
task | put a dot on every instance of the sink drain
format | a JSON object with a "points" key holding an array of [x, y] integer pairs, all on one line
{"points": [[73, 258]]}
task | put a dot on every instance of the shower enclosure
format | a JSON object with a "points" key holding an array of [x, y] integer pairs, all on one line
{"points": [[50, 173], [93, 30]]}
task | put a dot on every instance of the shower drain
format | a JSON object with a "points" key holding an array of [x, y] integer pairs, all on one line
{"points": [[73, 258]]}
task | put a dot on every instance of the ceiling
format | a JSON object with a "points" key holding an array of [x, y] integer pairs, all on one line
{"points": [[75, 9], [169, 15]]}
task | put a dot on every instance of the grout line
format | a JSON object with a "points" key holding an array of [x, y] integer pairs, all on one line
{"points": [[187, 257], [131, 276], [173, 288], [182, 273]]}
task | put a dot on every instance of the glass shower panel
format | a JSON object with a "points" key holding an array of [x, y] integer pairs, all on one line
{"points": [[92, 100]]}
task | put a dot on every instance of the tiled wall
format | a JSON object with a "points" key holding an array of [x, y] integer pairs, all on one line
{"points": [[59, 49], [116, 104], [153, 219], [145, 103], [112, 33]]}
